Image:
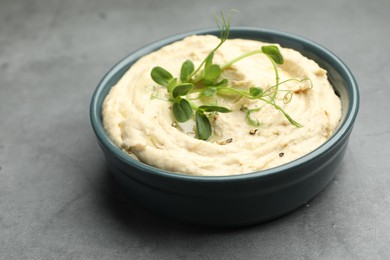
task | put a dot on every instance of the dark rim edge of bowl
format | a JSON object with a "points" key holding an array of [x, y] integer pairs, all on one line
{"points": [[341, 132]]}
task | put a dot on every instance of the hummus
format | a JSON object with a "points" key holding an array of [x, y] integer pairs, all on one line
{"points": [[138, 117]]}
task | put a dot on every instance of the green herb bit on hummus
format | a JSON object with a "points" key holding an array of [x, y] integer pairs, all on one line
{"points": [[206, 82]]}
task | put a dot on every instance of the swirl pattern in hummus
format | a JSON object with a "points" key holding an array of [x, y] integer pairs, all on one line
{"points": [[138, 118]]}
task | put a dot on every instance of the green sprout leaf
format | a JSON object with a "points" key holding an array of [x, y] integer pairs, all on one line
{"points": [[161, 76], [249, 119], [255, 91], [224, 25], [209, 60], [182, 110], [203, 125], [273, 53], [209, 92], [171, 85], [182, 90], [186, 69], [211, 73], [206, 108], [222, 83]]}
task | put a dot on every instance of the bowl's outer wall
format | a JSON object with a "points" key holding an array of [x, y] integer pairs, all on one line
{"points": [[225, 203], [246, 199]]}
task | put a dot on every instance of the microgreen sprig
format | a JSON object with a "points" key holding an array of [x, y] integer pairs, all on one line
{"points": [[207, 82]]}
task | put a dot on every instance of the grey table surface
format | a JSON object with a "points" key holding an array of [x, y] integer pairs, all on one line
{"points": [[57, 197]]}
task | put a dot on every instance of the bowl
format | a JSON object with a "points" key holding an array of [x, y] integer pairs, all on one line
{"points": [[240, 199]]}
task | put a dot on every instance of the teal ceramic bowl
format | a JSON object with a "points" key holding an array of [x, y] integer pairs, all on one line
{"points": [[241, 199]]}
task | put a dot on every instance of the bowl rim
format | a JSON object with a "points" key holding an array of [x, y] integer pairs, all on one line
{"points": [[337, 136]]}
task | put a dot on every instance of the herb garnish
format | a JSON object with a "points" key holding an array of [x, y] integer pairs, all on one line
{"points": [[206, 82]]}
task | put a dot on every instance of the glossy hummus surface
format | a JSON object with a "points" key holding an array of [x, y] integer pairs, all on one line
{"points": [[138, 116]]}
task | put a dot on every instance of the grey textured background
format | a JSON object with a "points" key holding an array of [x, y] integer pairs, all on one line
{"points": [[59, 201]]}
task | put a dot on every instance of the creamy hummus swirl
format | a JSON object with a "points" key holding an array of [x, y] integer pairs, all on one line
{"points": [[138, 117]]}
